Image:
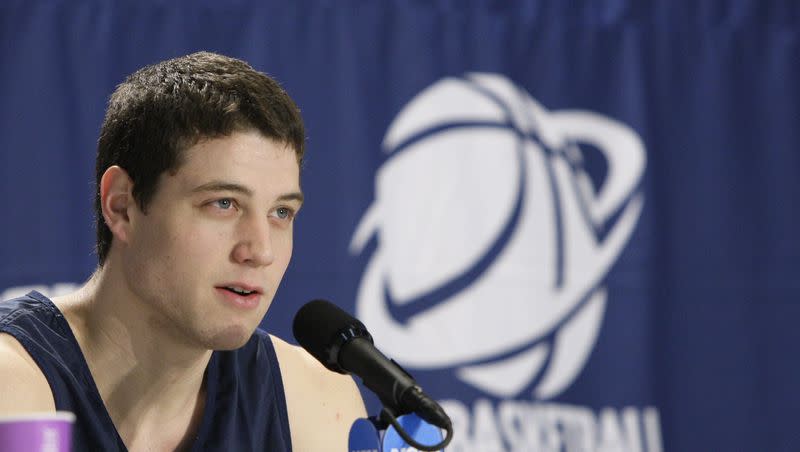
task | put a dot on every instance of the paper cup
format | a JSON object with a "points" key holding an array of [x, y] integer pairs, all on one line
{"points": [[37, 432]]}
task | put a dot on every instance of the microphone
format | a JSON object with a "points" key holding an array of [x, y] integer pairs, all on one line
{"points": [[343, 344]]}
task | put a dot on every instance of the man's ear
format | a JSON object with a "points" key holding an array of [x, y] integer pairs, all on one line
{"points": [[116, 198]]}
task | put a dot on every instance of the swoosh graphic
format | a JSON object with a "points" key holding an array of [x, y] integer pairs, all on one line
{"points": [[617, 213], [405, 312]]}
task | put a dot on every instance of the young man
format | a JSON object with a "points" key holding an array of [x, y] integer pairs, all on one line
{"points": [[197, 189]]}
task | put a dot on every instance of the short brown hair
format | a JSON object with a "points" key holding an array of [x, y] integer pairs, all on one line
{"points": [[163, 109]]}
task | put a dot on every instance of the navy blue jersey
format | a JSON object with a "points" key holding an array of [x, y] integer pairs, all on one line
{"points": [[245, 405]]}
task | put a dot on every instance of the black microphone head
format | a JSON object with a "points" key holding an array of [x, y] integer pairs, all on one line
{"points": [[322, 328]]}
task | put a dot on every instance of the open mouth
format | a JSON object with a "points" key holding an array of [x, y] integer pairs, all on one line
{"points": [[240, 296], [239, 291]]}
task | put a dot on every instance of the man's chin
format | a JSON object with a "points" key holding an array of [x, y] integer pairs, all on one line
{"points": [[231, 338]]}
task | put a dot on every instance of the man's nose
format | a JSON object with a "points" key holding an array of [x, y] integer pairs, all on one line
{"points": [[254, 244]]}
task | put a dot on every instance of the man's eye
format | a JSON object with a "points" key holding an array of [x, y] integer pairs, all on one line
{"points": [[284, 213], [224, 203]]}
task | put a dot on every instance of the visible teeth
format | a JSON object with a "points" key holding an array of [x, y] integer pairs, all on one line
{"points": [[240, 291]]}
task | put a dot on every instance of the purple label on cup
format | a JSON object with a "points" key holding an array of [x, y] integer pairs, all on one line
{"points": [[364, 437], [419, 430], [37, 432]]}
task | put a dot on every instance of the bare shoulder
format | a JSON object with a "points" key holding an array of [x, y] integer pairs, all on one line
{"points": [[23, 387], [322, 405]]}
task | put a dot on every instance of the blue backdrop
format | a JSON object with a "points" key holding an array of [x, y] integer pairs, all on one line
{"points": [[574, 222]]}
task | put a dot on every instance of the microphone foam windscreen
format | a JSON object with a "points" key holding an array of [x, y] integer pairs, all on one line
{"points": [[318, 326]]}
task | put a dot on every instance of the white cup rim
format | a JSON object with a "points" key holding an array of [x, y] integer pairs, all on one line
{"points": [[40, 416]]}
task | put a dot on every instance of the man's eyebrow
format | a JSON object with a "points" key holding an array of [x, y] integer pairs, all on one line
{"points": [[294, 196], [223, 186], [230, 186]]}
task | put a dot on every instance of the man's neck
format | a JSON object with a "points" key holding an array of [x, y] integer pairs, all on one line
{"points": [[151, 383]]}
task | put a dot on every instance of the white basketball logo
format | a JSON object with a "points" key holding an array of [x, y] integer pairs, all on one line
{"points": [[489, 260]]}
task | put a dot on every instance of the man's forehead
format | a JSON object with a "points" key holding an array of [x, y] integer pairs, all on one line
{"points": [[253, 162], [239, 139]]}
